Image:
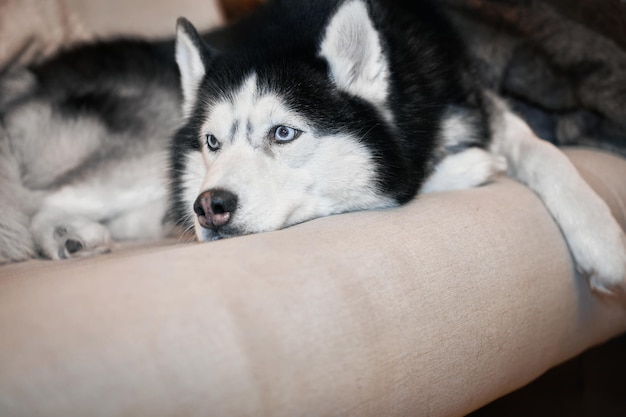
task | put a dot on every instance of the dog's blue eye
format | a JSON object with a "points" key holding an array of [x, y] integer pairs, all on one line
{"points": [[212, 143], [285, 134]]}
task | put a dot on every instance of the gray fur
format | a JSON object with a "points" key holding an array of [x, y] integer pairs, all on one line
{"points": [[565, 79], [77, 171]]}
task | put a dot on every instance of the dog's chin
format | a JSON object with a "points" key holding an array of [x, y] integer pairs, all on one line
{"points": [[209, 235], [230, 231]]}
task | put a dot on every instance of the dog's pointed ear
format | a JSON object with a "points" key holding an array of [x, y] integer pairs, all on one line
{"points": [[352, 47], [192, 57]]}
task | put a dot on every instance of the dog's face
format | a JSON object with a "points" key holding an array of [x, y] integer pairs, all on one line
{"points": [[275, 140]]}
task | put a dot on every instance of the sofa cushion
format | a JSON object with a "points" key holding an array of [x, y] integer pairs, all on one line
{"points": [[434, 308]]}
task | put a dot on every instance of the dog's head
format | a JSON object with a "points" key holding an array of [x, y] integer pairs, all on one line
{"points": [[280, 136]]}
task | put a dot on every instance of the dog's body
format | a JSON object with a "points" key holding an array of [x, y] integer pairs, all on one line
{"points": [[84, 147], [314, 108]]}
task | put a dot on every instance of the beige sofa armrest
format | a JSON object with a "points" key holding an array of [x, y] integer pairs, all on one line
{"points": [[432, 309]]}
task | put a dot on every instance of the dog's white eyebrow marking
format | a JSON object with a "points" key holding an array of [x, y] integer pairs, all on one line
{"points": [[249, 114], [227, 116], [220, 121]]}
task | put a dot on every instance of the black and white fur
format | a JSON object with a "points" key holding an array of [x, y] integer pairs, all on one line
{"points": [[83, 149], [314, 108]]}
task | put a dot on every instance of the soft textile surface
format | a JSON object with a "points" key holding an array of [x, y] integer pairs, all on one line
{"points": [[432, 309], [148, 18], [33, 29]]}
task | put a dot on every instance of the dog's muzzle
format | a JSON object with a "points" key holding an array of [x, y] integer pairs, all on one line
{"points": [[215, 208]]}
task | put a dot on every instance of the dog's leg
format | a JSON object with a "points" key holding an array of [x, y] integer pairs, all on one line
{"points": [[595, 239], [61, 235], [134, 224], [467, 169]]}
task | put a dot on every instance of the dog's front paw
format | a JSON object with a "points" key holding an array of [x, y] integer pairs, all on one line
{"points": [[70, 242], [60, 236], [467, 169], [600, 255]]}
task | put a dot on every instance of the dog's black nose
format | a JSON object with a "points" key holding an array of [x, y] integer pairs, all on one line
{"points": [[215, 208]]}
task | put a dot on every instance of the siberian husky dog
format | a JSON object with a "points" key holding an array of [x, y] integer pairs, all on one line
{"points": [[309, 108]]}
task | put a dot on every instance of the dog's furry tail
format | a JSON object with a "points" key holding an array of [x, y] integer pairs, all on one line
{"points": [[16, 203], [16, 243]]}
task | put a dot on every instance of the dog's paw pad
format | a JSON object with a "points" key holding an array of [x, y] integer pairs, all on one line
{"points": [[73, 246], [93, 240]]}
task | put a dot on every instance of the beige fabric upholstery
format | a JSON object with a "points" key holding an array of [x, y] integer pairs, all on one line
{"points": [[152, 18], [33, 29], [432, 309]]}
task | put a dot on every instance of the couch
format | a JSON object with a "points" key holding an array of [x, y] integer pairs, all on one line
{"points": [[432, 309]]}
